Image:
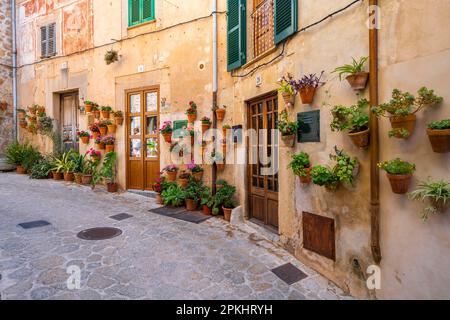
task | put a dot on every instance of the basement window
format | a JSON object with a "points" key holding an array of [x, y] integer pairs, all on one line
{"points": [[140, 11]]}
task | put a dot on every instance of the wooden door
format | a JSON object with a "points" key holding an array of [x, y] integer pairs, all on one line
{"points": [[70, 113], [142, 118], [263, 188]]}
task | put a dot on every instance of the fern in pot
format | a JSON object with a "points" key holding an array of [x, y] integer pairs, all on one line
{"points": [[356, 76], [436, 196]]}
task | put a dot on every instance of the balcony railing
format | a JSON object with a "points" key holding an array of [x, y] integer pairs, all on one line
{"points": [[263, 29]]}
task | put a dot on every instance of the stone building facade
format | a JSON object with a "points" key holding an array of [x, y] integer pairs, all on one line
{"points": [[6, 105]]}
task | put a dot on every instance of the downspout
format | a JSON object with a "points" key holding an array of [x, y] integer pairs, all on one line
{"points": [[215, 84], [14, 66], [374, 139]]}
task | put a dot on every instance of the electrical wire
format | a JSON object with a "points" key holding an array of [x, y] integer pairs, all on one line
{"points": [[281, 54]]}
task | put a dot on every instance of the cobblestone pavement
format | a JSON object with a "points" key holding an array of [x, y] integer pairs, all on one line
{"points": [[156, 257]]}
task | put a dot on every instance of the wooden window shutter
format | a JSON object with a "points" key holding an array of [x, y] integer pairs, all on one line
{"points": [[134, 9], [286, 19], [44, 41], [51, 40], [236, 34], [147, 9]]}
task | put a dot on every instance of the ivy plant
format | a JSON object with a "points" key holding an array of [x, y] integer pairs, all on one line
{"points": [[299, 162]]}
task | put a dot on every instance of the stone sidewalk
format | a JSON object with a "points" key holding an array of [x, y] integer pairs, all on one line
{"points": [[156, 257]]}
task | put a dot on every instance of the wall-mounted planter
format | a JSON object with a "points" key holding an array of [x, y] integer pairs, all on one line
{"points": [[360, 139], [112, 128], [400, 182], [118, 121], [88, 108], [289, 99], [85, 139], [306, 179], [103, 130], [167, 137], [192, 117], [358, 81], [401, 123], [109, 148], [220, 113], [289, 141], [307, 94], [440, 140]]}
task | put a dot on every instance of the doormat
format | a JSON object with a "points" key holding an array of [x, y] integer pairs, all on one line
{"points": [[181, 214], [34, 224], [148, 194], [121, 216], [289, 273]]}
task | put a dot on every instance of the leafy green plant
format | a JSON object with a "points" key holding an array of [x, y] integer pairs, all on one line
{"points": [[193, 190], [324, 177], [45, 125], [285, 126], [286, 86], [106, 108], [397, 167], [15, 153], [299, 163], [206, 198], [224, 197], [356, 66], [64, 163], [173, 196], [89, 167], [108, 169], [440, 125], [353, 119], [436, 194], [41, 168], [111, 56]]}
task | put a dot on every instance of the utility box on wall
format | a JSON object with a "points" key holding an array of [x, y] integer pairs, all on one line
{"points": [[309, 126]]}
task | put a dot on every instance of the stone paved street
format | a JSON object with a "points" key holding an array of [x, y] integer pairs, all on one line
{"points": [[156, 257]]}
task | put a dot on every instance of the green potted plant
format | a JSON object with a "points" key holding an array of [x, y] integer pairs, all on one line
{"points": [[109, 142], [96, 111], [197, 171], [436, 195], [301, 167], [79, 161], [173, 196], [192, 195], [288, 129], [206, 124], [108, 171], [103, 127], [354, 120], [111, 126], [15, 155], [356, 76], [41, 168], [88, 106], [171, 171], [402, 109], [207, 200], [166, 131], [118, 118], [224, 199], [439, 135], [225, 129], [183, 178], [191, 112], [85, 136], [158, 188], [95, 130], [58, 167], [89, 169], [67, 165], [105, 112], [287, 90], [399, 173]]}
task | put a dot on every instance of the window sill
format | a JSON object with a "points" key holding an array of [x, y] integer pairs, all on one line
{"points": [[260, 57], [141, 24]]}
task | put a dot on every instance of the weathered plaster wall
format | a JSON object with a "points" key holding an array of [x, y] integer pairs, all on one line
{"points": [[6, 108]]}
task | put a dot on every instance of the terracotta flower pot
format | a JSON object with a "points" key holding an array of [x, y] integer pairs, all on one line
{"points": [[96, 114], [95, 135], [220, 113], [405, 122], [23, 124], [86, 179], [192, 117], [192, 140], [289, 141], [400, 182], [172, 176], [191, 205], [101, 146], [112, 128], [21, 170], [225, 132], [21, 115], [57, 175], [68, 176], [358, 81], [183, 182], [118, 121], [198, 176], [207, 210], [85, 139], [112, 187], [103, 130], [224, 148], [205, 127], [220, 166], [78, 177], [159, 199], [227, 214], [307, 179], [361, 138], [167, 137], [105, 114], [440, 140], [109, 148], [307, 94], [289, 99], [88, 108]]}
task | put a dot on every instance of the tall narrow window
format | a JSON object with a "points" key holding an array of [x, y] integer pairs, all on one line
{"points": [[48, 40], [140, 11]]}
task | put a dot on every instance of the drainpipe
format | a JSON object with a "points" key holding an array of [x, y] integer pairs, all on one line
{"points": [[374, 143], [14, 66], [215, 84]]}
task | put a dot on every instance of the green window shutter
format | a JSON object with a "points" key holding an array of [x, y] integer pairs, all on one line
{"points": [[134, 12], [236, 34], [147, 10], [286, 20]]}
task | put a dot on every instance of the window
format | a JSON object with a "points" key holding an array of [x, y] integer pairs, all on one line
{"points": [[140, 11], [48, 40]]}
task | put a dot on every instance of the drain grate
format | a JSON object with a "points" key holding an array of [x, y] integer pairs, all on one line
{"points": [[289, 273], [148, 194], [121, 216], [99, 233], [34, 224], [181, 214]]}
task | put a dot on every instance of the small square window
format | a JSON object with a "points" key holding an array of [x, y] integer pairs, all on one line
{"points": [[140, 11]]}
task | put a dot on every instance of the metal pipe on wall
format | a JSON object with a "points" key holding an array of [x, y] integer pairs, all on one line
{"points": [[14, 66], [215, 83]]}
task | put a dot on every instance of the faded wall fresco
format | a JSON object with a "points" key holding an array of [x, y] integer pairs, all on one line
{"points": [[76, 31]]}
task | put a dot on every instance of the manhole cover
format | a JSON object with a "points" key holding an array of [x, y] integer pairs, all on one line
{"points": [[99, 233]]}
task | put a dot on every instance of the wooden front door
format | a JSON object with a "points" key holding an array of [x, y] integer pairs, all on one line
{"points": [[142, 118], [263, 188], [70, 113]]}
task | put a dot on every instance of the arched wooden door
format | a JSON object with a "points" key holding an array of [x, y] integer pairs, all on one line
{"points": [[142, 122]]}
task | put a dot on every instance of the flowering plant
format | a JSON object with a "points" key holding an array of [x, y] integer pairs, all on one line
{"points": [[192, 108], [195, 168], [287, 84], [103, 123], [93, 153], [311, 80], [108, 140], [94, 127], [158, 185], [98, 140], [171, 168], [83, 134], [285, 126], [166, 127], [206, 120]]}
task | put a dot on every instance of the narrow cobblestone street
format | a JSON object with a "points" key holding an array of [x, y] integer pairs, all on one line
{"points": [[156, 257]]}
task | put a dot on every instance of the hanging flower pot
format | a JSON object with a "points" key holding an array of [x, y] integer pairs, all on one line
{"points": [[399, 182], [101, 145], [289, 99], [220, 113], [112, 187], [21, 170], [78, 177], [21, 114], [306, 178], [227, 214], [358, 81], [288, 140], [86, 179], [171, 176], [85, 139], [57, 175], [402, 123], [105, 114], [307, 94], [109, 148], [112, 128], [95, 135], [96, 114], [439, 136], [68, 176], [103, 130], [207, 210], [167, 137], [361, 138], [192, 117], [88, 107], [191, 205], [205, 127], [118, 121]]}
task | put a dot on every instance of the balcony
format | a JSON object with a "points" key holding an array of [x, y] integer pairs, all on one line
{"points": [[262, 20]]}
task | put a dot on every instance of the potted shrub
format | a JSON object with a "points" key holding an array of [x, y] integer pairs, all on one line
{"points": [[88, 106], [66, 165], [206, 124], [58, 167], [356, 76], [171, 171], [111, 56], [84, 136], [220, 112], [99, 143], [94, 154], [103, 127], [287, 90], [21, 113], [307, 87], [301, 167], [192, 112], [32, 109], [95, 130], [399, 173], [436, 194], [288, 129], [23, 123], [207, 200], [109, 142], [118, 118], [323, 176], [89, 168], [96, 111], [402, 109], [224, 198], [183, 178], [225, 129], [15, 155], [191, 195], [32, 128], [106, 112], [173, 196], [439, 135], [78, 167], [354, 120], [197, 171], [108, 171], [166, 131], [158, 189], [111, 126], [41, 168], [45, 125]]}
